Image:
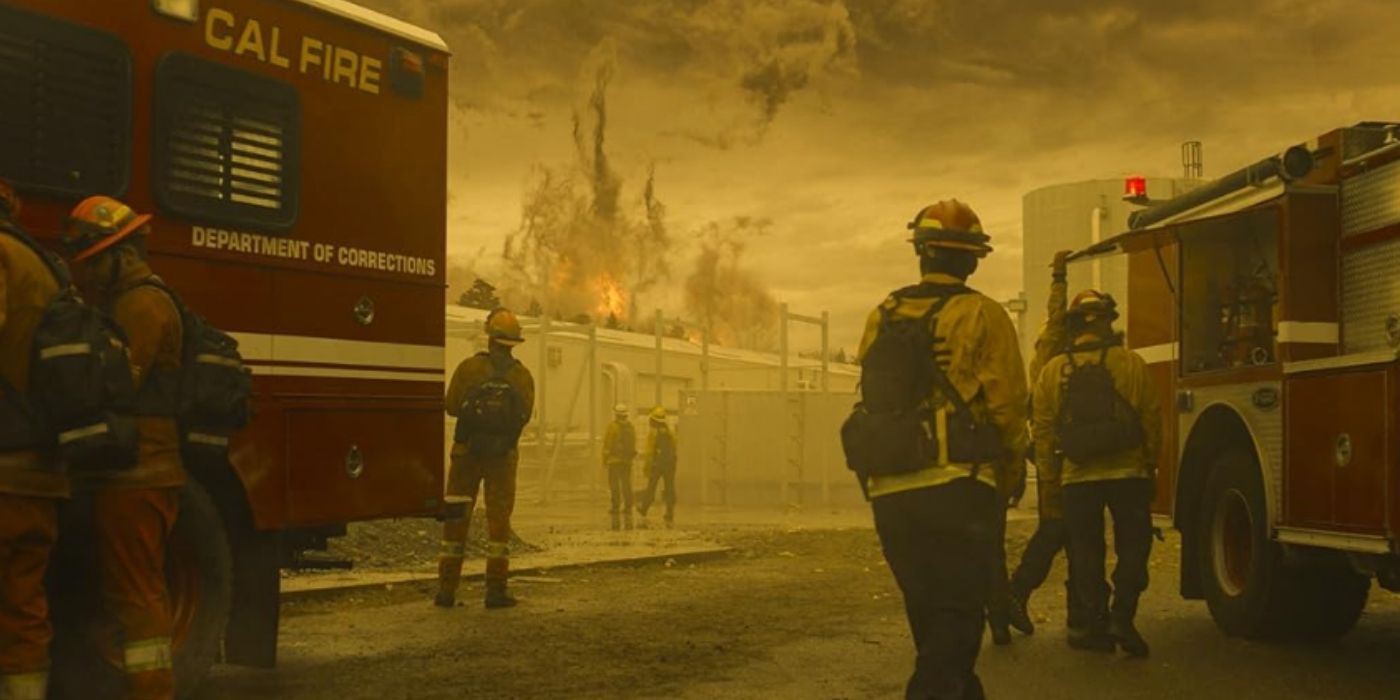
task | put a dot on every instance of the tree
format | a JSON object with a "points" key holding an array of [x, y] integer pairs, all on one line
{"points": [[482, 295], [613, 323], [534, 310], [841, 356]]}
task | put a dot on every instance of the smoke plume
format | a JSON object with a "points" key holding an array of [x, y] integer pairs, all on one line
{"points": [[731, 304], [579, 251]]}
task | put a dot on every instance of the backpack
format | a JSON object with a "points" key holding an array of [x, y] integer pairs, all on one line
{"points": [[1094, 420], [492, 414], [212, 391], [664, 459], [891, 430], [624, 448], [81, 394]]}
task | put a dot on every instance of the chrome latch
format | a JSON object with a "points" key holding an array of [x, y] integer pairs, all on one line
{"points": [[354, 462], [364, 311], [1185, 401], [1343, 451]]}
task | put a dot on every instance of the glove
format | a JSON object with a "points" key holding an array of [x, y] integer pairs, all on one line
{"points": [[1060, 267]]}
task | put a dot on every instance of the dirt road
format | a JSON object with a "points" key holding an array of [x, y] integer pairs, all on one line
{"points": [[788, 614]]}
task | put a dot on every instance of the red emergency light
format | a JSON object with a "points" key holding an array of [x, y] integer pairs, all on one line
{"points": [[1135, 187]]}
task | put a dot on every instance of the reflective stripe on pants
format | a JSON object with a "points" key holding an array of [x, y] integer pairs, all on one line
{"points": [[25, 686], [148, 655]]}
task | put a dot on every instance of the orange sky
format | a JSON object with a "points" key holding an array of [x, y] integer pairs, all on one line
{"points": [[837, 120]]}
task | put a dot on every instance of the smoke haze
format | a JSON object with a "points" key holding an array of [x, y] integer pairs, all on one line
{"points": [[836, 120]]}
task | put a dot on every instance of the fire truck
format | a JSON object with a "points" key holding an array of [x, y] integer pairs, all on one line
{"points": [[293, 153], [1267, 306]]}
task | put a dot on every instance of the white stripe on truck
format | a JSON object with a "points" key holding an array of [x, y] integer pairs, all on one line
{"points": [[257, 347]]}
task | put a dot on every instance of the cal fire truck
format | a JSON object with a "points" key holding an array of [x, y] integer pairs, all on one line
{"points": [[294, 155], [1268, 308]]}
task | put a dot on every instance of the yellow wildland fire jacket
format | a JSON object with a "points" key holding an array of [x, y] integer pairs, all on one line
{"points": [[1052, 337], [155, 339], [26, 289], [1132, 382], [983, 364], [619, 444], [1050, 342], [477, 370]]}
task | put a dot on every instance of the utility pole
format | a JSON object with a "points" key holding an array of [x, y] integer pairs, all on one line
{"points": [[660, 358]]}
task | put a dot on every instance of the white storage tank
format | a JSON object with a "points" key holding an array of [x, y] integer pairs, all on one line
{"points": [[1073, 216]]}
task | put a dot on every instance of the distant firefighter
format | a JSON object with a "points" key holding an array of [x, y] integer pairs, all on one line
{"points": [[660, 466], [619, 451], [938, 442], [1097, 434], [492, 396]]}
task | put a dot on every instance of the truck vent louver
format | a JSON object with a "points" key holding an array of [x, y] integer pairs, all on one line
{"points": [[65, 122], [226, 144]]}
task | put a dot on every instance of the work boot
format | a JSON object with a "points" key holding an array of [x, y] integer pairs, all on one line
{"points": [[1091, 639], [616, 520], [1001, 629], [497, 596], [1019, 614], [627, 521], [1123, 631], [1127, 637], [449, 576]]}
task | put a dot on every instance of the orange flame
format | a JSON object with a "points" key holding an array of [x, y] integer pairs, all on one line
{"points": [[612, 299]]}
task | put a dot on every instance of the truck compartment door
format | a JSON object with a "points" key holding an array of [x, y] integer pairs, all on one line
{"points": [[1339, 448]]}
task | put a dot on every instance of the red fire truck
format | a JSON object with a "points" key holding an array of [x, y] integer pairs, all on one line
{"points": [[293, 153], [1268, 307]]}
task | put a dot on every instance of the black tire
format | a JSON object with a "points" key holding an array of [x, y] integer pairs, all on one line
{"points": [[1329, 599], [198, 561], [199, 540], [1251, 592], [1241, 568]]}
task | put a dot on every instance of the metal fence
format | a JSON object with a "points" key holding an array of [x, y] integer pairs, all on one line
{"points": [[763, 447]]}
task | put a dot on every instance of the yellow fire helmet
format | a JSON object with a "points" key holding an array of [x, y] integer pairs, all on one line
{"points": [[1091, 304], [98, 223], [658, 414], [503, 327], [951, 225]]}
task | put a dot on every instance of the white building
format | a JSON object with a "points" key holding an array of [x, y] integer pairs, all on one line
{"points": [[581, 372]]}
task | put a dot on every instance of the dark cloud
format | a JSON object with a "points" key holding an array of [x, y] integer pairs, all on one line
{"points": [[836, 119]]}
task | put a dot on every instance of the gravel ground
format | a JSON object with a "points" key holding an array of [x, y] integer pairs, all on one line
{"points": [[408, 543], [788, 614]]}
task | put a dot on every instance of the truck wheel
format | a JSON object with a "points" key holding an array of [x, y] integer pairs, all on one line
{"points": [[1241, 568], [86, 661], [1330, 598], [199, 571]]}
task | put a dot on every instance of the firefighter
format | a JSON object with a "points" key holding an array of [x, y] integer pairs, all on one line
{"points": [[937, 519], [135, 509], [1097, 433], [492, 396], [1049, 537], [31, 482], [619, 451], [660, 466]]}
